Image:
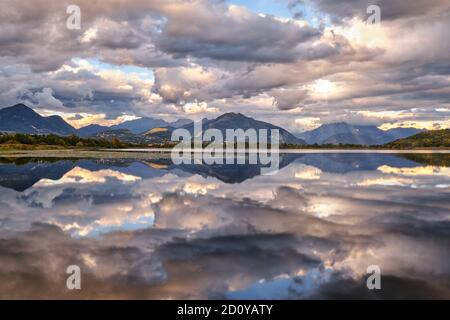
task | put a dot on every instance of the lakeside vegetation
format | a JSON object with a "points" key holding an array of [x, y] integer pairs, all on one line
{"points": [[427, 139], [19, 141]]}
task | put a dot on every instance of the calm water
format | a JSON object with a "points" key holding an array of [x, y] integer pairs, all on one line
{"points": [[150, 229]]}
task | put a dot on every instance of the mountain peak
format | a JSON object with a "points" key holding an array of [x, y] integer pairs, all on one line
{"points": [[22, 119], [232, 115], [339, 124], [18, 107]]}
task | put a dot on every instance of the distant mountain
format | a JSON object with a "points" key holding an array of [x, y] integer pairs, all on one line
{"points": [[359, 138], [22, 119], [428, 139], [239, 121], [137, 126], [180, 123], [145, 124], [344, 133], [140, 125], [91, 130]]}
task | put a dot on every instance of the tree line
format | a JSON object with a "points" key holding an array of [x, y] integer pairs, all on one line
{"points": [[55, 140]]}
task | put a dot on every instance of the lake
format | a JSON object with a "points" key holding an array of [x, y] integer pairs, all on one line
{"points": [[150, 229]]}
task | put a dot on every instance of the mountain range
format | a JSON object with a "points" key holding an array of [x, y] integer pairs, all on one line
{"points": [[22, 119], [344, 133], [160, 135]]}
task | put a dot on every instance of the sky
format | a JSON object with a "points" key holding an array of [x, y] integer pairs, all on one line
{"points": [[294, 63]]}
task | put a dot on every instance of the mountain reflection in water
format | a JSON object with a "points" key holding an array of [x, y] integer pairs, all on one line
{"points": [[152, 229]]}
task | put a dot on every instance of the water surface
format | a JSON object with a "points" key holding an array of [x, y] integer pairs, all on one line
{"points": [[154, 230]]}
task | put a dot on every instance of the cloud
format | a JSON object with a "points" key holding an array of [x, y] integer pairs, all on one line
{"points": [[218, 31], [286, 99], [45, 98], [227, 57], [178, 85], [353, 117]]}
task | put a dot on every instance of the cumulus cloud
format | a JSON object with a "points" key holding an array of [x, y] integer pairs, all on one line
{"points": [[45, 98], [178, 85], [286, 99]]}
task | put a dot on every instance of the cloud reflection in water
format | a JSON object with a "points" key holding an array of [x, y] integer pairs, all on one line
{"points": [[159, 231]]}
